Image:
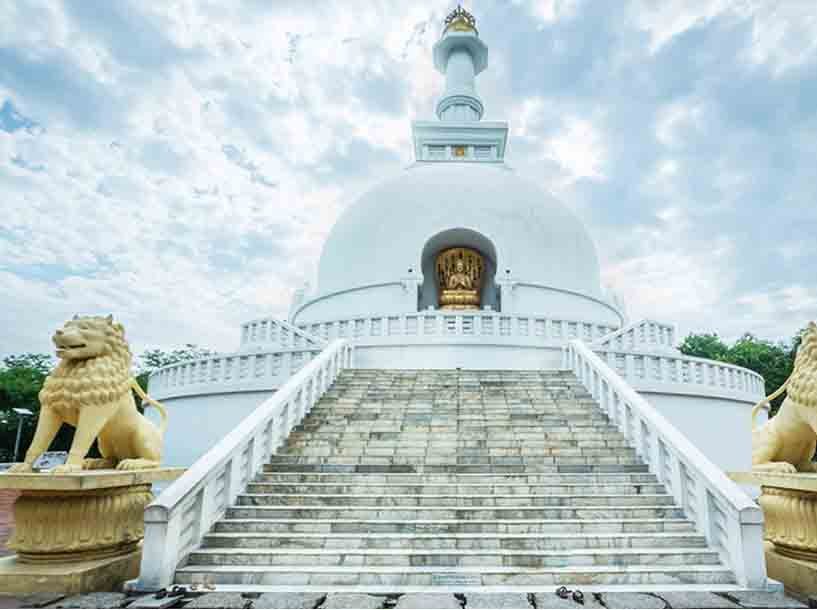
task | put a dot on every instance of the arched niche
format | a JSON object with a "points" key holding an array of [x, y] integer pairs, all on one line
{"points": [[452, 238]]}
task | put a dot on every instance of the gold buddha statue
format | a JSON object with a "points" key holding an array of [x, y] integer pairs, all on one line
{"points": [[459, 272]]}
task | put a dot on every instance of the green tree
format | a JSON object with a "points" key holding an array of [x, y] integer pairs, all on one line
{"points": [[704, 346], [774, 361], [21, 378]]}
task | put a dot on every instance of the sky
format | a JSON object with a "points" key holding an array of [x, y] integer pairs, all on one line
{"points": [[179, 163]]}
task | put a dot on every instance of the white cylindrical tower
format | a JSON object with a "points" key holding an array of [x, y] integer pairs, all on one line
{"points": [[460, 55]]}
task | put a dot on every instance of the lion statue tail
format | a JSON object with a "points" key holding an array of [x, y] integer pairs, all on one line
{"points": [[766, 401], [154, 403]]}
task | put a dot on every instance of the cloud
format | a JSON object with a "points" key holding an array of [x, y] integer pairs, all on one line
{"points": [[180, 164]]}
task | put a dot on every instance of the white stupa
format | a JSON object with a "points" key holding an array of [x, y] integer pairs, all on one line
{"points": [[459, 263]]}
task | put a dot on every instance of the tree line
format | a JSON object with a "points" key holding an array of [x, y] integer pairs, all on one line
{"points": [[773, 360]]}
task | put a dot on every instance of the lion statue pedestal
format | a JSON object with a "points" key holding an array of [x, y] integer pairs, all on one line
{"points": [[77, 532], [79, 527], [782, 465], [789, 503]]}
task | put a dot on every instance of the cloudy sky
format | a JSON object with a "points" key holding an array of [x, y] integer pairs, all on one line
{"points": [[179, 163]]}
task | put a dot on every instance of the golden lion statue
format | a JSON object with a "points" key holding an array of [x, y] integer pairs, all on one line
{"points": [[91, 389], [787, 441]]}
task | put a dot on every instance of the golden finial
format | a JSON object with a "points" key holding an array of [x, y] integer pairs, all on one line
{"points": [[460, 20]]}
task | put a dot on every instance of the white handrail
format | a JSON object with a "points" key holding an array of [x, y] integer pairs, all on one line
{"points": [[234, 372], [721, 511], [678, 373], [176, 521], [644, 333], [280, 332]]}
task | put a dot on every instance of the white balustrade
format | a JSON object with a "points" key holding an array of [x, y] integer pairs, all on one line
{"points": [[679, 374], [176, 521], [730, 520], [422, 325], [260, 333], [641, 335], [225, 373]]}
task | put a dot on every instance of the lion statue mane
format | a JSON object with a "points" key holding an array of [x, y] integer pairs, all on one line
{"points": [[786, 442], [90, 389]]}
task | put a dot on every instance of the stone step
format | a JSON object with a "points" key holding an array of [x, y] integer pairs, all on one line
{"points": [[516, 385], [452, 479], [426, 478], [611, 457], [453, 541], [510, 448], [448, 434], [455, 489], [398, 576], [498, 439], [324, 450], [480, 439], [460, 409], [380, 449], [527, 527], [529, 468], [374, 511], [452, 500], [584, 420], [577, 421], [455, 558]]}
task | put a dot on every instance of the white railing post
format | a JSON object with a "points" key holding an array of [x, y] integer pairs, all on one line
{"points": [[162, 533]]}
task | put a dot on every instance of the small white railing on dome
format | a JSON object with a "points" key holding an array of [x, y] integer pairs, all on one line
{"points": [[684, 374], [721, 511], [238, 372], [271, 330], [641, 335], [176, 521], [437, 323]]}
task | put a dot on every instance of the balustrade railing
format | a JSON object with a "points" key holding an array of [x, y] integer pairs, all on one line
{"points": [[429, 324], [224, 373], [257, 333], [721, 511], [176, 521], [642, 335], [682, 374]]}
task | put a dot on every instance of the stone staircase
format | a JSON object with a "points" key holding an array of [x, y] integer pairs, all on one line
{"points": [[404, 478]]}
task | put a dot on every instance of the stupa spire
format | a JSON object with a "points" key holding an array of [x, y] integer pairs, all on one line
{"points": [[460, 136], [460, 55]]}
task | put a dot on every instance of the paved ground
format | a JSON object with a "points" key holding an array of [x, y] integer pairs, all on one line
{"points": [[412, 600]]}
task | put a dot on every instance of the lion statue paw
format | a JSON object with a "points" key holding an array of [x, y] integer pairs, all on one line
{"points": [[21, 467], [777, 467], [67, 469], [135, 464]]}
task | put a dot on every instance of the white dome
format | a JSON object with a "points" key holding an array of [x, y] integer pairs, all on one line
{"points": [[382, 235]]}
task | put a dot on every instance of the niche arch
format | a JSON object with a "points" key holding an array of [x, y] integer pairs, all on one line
{"points": [[462, 238]]}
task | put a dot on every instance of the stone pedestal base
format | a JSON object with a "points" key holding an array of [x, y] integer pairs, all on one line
{"points": [[77, 533], [798, 576], [68, 577], [789, 503]]}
